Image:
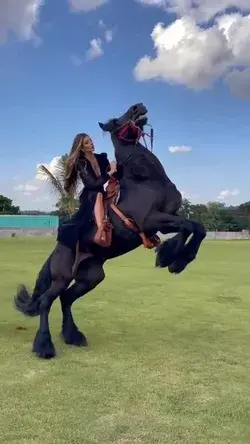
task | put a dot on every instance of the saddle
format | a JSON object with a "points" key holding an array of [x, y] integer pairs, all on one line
{"points": [[103, 235]]}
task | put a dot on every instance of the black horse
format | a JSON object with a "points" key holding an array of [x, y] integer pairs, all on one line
{"points": [[150, 199]]}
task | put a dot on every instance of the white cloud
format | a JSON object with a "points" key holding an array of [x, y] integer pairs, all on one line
{"points": [[30, 195], [188, 196], [54, 167], [19, 17], [35, 193], [239, 82], [179, 149], [86, 5], [108, 35], [196, 57], [95, 49], [101, 24], [224, 195], [76, 60], [200, 10], [26, 187]]}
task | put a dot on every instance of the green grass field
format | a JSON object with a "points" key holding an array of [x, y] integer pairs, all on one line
{"points": [[168, 360]]}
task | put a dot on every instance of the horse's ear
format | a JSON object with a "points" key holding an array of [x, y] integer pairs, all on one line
{"points": [[108, 126]]}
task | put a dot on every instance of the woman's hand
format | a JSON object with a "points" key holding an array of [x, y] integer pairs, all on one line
{"points": [[113, 168]]}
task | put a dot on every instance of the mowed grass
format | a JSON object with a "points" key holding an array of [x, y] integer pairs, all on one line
{"points": [[168, 360]]}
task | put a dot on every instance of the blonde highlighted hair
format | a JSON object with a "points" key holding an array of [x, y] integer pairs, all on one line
{"points": [[71, 172]]}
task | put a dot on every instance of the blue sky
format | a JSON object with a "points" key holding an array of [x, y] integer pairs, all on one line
{"points": [[52, 87]]}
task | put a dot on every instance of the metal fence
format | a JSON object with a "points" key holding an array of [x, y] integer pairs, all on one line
{"points": [[23, 232], [228, 235], [11, 226]]}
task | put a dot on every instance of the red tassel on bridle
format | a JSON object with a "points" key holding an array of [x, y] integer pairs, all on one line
{"points": [[137, 132]]}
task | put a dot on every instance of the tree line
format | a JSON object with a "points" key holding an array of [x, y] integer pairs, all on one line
{"points": [[215, 216]]}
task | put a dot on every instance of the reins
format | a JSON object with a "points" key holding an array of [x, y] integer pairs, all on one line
{"points": [[136, 129]]}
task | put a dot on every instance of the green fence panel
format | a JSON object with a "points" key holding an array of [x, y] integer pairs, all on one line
{"points": [[29, 222]]}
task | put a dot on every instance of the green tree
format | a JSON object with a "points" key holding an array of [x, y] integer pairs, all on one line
{"points": [[214, 214], [186, 209], [228, 222], [242, 214], [200, 213], [66, 206], [6, 206], [67, 202], [244, 208]]}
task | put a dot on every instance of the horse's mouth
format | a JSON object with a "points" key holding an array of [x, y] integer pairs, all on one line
{"points": [[142, 120], [142, 117]]}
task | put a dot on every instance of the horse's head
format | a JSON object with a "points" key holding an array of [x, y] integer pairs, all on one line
{"points": [[126, 131], [129, 127]]}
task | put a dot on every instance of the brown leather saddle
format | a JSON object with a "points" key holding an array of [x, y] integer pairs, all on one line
{"points": [[103, 235]]}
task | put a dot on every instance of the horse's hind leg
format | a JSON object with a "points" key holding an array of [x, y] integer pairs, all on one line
{"points": [[70, 333], [43, 345], [88, 275], [61, 273]]}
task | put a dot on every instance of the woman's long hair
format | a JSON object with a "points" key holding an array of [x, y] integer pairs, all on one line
{"points": [[71, 166], [76, 152]]}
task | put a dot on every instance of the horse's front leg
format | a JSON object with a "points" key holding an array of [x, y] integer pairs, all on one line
{"points": [[190, 250], [170, 249], [88, 275]]}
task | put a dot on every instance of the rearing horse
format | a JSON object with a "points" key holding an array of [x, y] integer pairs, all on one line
{"points": [[156, 200], [150, 199]]}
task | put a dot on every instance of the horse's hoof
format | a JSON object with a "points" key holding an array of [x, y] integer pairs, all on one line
{"points": [[43, 346], [165, 253], [74, 337], [177, 267], [180, 264], [164, 260]]}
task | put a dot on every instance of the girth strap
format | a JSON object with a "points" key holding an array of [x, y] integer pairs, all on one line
{"points": [[148, 243]]}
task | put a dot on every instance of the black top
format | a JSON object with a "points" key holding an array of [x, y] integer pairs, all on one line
{"points": [[89, 179]]}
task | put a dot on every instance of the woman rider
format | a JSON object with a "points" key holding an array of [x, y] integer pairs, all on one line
{"points": [[94, 171]]}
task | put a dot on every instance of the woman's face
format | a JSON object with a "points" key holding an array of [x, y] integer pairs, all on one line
{"points": [[87, 145]]}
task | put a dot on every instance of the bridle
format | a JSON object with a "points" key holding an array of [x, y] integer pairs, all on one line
{"points": [[138, 132]]}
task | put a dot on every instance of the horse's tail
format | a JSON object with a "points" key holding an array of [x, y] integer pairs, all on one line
{"points": [[29, 304]]}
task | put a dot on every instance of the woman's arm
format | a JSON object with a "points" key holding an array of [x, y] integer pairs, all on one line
{"points": [[119, 172]]}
